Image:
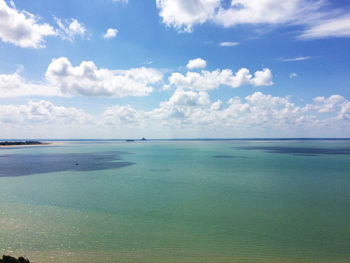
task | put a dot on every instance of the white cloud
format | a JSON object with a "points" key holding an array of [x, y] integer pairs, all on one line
{"points": [[121, 115], [184, 114], [196, 63], [181, 105], [344, 113], [293, 75], [183, 14], [13, 85], [63, 79], [229, 44], [261, 12], [190, 112], [22, 28], [208, 80], [330, 104], [110, 33], [216, 105], [189, 98], [315, 16], [334, 27], [87, 80], [295, 59], [262, 78], [43, 119], [41, 112], [69, 30]]}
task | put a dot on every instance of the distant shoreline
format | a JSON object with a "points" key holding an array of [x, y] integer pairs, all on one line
{"points": [[187, 139], [9, 144]]}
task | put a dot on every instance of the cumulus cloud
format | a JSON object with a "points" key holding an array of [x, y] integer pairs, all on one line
{"points": [[189, 98], [64, 79], [22, 28], [184, 113], [344, 113], [257, 114], [88, 80], [110, 33], [229, 44], [68, 30], [43, 119], [122, 115], [13, 85], [183, 15], [41, 112], [334, 104], [262, 78], [196, 63], [181, 104], [208, 80], [330, 104]]}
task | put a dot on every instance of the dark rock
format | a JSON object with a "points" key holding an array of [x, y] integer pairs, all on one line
{"points": [[9, 259]]}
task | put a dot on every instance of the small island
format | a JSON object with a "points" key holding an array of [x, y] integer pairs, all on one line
{"points": [[21, 143], [133, 140]]}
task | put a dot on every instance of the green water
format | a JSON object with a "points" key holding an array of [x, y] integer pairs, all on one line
{"points": [[208, 201]]}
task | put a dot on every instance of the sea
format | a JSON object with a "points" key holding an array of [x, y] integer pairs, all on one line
{"points": [[177, 201]]}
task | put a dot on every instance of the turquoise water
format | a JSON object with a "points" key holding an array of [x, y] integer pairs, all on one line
{"points": [[177, 201]]}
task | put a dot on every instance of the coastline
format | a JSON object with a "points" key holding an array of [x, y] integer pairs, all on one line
{"points": [[32, 145]]}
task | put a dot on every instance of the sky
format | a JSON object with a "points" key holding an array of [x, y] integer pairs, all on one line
{"points": [[174, 69]]}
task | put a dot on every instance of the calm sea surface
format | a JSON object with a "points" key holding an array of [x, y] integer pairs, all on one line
{"points": [[177, 201]]}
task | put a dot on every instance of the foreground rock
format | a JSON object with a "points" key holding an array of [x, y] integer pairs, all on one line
{"points": [[9, 259]]}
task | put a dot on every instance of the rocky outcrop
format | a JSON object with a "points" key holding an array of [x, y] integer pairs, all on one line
{"points": [[9, 259]]}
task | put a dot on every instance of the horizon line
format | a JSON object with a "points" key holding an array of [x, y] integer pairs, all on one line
{"points": [[179, 139]]}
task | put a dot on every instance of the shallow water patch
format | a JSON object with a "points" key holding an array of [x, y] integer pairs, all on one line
{"points": [[28, 164], [300, 151], [226, 156]]}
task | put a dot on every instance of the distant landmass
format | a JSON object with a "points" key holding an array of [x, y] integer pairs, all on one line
{"points": [[20, 143]]}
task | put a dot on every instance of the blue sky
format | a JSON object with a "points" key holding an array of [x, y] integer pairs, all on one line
{"points": [[174, 68]]}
